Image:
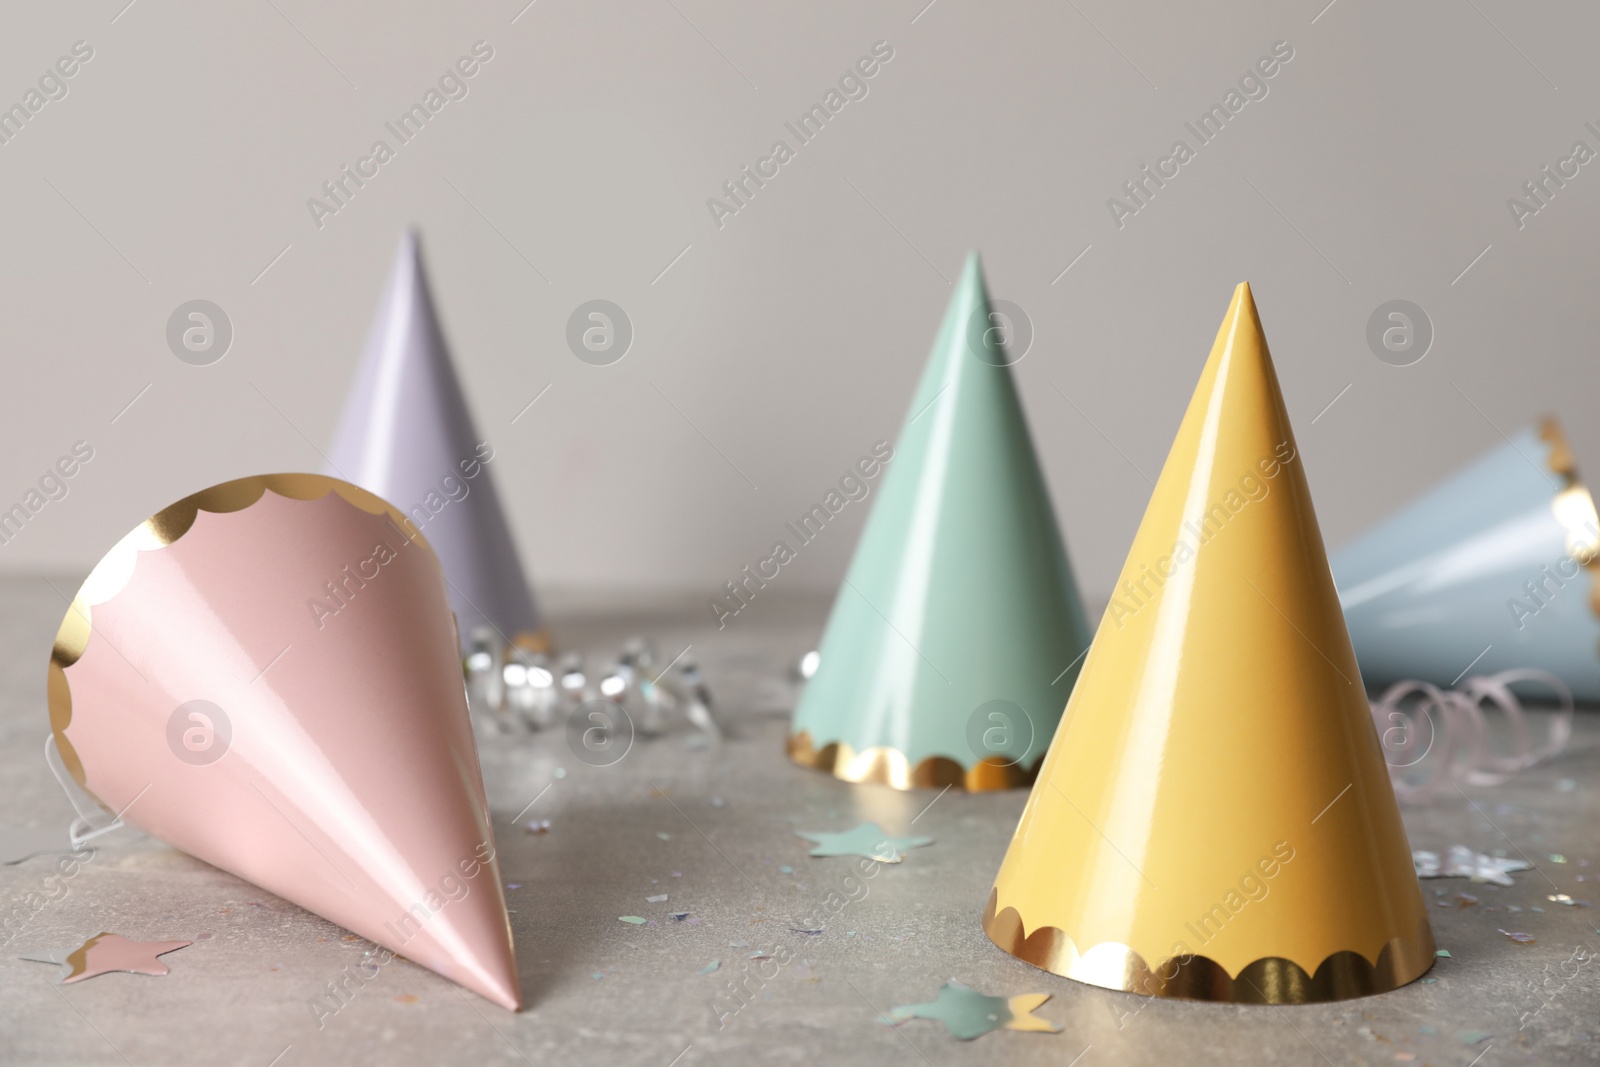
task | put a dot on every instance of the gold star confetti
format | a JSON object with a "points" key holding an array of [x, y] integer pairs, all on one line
{"points": [[106, 952]]}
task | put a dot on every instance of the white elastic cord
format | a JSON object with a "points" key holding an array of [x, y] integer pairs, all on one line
{"points": [[91, 820]]}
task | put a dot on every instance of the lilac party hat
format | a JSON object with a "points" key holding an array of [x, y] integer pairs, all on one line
{"points": [[406, 435]]}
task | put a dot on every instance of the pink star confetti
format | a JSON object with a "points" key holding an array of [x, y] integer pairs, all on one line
{"points": [[107, 952]]}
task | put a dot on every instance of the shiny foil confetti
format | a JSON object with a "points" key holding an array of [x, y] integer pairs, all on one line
{"points": [[968, 1014], [867, 840], [106, 952], [1462, 862]]}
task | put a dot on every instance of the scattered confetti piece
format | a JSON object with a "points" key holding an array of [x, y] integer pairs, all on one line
{"points": [[1462, 862], [597, 975], [513, 885], [659, 898], [634, 919], [664, 836], [711, 967], [968, 1014], [677, 874], [1430, 981], [867, 840], [680, 915], [1473, 1037], [718, 802], [1444, 954], [537, 826], [106, 952], [803, 930], [1519, 938], [405, 998], [1466, 900], [786, 869], [1566, 785], [1556, 857]]}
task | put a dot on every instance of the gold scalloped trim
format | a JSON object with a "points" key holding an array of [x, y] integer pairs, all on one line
{"points": [[1573, 506], [1270, 980], [882, 765], [115, 569]]}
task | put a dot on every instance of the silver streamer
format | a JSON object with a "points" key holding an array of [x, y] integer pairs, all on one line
{"points": [[511, 691]]}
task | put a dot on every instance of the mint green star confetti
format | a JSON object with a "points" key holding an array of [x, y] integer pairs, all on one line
{"points": [[968, 1014], [867, 840]]}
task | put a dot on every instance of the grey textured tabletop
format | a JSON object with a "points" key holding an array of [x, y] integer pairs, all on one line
{"points": [[714, 829]]}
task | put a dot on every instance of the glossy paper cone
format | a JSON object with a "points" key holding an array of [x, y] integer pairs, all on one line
{"points": [[1493, 569], [407, 436], [958, 632], [266, 676], [1214, 818]]}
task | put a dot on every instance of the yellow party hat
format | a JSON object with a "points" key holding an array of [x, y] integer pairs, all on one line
{"points": [[1214, 818]]}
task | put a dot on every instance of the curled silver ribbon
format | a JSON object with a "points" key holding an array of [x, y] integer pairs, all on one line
{"points": [[1416, 720], [512, 691]]}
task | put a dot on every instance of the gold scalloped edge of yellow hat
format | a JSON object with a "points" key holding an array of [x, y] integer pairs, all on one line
{"points": [[1270, 980], [115, 569], [883, 765]]}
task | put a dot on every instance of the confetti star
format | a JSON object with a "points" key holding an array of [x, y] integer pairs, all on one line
{"points": [[105, 952], [968, 1014], [867, 840], [1462, 862]]}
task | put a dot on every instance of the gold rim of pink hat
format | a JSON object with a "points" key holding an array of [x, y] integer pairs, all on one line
{"points": [[165, 527]]}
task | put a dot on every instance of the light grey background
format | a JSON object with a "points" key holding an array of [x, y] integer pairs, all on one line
{"points": [[1378, 167]]}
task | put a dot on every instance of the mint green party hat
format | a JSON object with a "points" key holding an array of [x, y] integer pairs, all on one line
{"points": [[958, 632]]}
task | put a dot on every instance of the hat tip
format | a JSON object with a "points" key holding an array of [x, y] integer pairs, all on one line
{"points": [[503, 989], [1243, 305], [411, 242]]}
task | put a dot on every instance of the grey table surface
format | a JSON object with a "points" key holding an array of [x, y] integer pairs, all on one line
{"points": [[715, 830]]}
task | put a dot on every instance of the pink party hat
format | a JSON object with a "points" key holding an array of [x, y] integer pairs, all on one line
{"points": [[266, 676]]}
